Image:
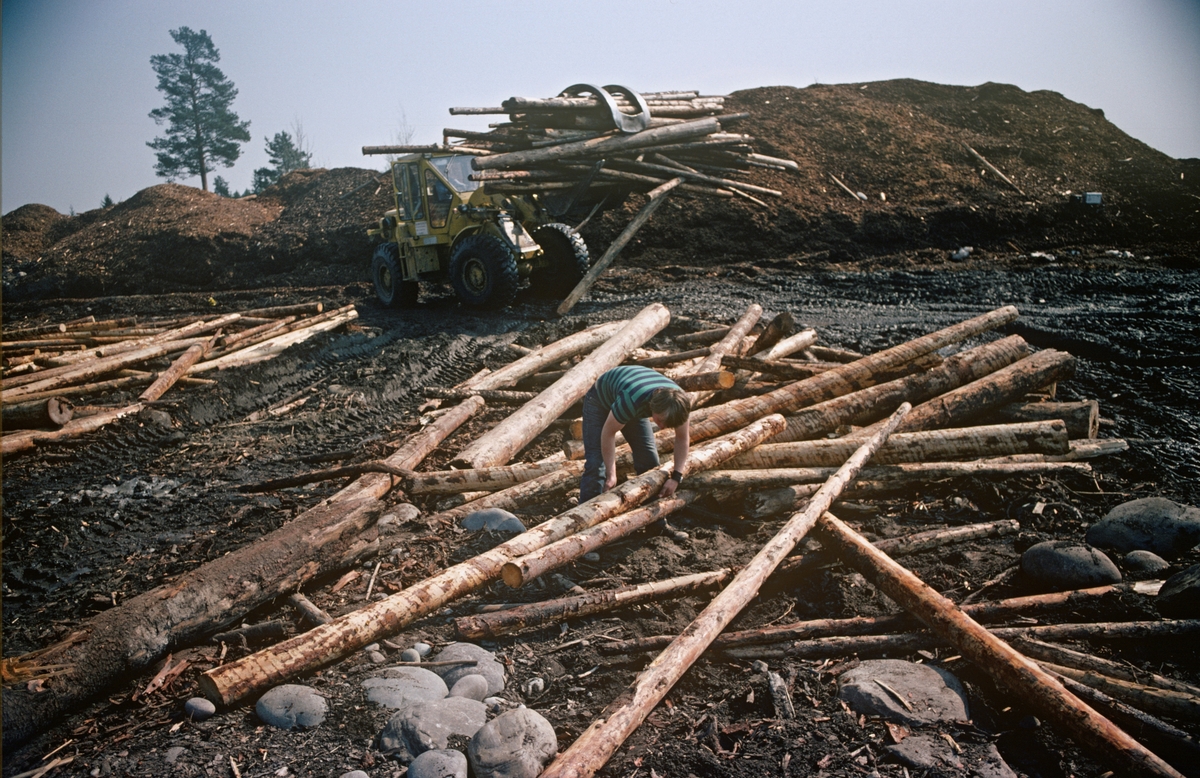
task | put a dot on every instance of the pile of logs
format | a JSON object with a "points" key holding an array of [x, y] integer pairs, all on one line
{"points": [[572, 143], [54, 373], [767, 401]]}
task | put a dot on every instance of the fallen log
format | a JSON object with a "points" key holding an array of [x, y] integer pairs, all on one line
{"points": [[308, 609], [958, 443], [327, 643], [129, 638], [731, 341], [488, 479], [1061, 655], [550, 354], [502, 442], [1082, 418], [26, 440], [501, 396], [656, 198], [697, 382], [592, 749], [347, 471], [266, 349], [794, 371], [36, 414], [486, 626], [1019, 675], [780, 327], [876, 625], [670, 359], [530, 492], [178, 368], [872, 403], [1164, 702]]}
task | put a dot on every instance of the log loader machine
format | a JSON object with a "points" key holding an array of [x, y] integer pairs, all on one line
{"points": [[447, 228]]}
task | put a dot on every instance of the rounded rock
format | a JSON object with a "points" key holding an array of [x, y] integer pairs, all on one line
{"points": [[591, 556], [1060, 565], [439, 763], [410, 655], [354, 774], [1141, 565], [516, 744], [428, 725], [1156, 524], [1179, 597], [199, 709], [423, 649], [473, 687], [493, 520], [291, 706], [932, 694], [485, 665], [404, 685]]}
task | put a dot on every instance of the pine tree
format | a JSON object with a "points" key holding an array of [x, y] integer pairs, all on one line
{"points": [[221, 186], [202, 129], [107, 202], [285, 155]]}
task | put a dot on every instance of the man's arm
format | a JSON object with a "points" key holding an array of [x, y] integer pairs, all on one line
{"points": [[608, 449], [682, 438]]}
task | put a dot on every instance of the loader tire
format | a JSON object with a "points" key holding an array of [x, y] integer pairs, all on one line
{"points": [[567, 256], [389, 286], [483, 271]]}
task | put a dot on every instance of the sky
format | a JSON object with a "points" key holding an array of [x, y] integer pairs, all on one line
{"points": [[76, 87]]}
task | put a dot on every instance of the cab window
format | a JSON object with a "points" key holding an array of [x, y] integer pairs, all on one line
{"points": [[400, 181], [416, 202], [457, 171], [439, 196]]}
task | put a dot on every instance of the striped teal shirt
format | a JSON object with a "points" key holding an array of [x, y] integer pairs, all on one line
{"points": [[626, 391]]}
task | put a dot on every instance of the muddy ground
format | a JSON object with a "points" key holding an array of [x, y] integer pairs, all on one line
{"points": [[126, 509]]}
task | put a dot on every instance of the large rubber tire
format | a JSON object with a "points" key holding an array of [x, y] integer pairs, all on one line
{"points": [[483, 271], [568, 259], [385, 272]]}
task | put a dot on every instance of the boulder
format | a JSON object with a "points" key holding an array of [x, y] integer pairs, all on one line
{"points": [[404, 685], [1142, 565], [932, 693], [926, 752], [1059, 565], [439, 763], [1179, 598], [427, 725], [485, 665], [493, 520], [473, 687], [291, 706], [1148, 524], [515, 744]]}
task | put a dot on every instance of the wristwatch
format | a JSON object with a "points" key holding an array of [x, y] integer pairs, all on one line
{"points": [[677, 476]]}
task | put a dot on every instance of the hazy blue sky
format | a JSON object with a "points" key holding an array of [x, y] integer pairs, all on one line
{"points": [[77, 85]]}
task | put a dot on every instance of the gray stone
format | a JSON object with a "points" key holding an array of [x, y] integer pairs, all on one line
{"points": [[404, 685], [377, 657], [1148, 524], [290, 706], [353, 774], [591, 556], [473, 687], [199, 709], [1179, 598], [933, 693], [173, 753], [410, 655], [533, 687], [990, 764], [424, 649], [494, 520], [516, 744], [926, 752], [439, 763], [485, 665], [426, 725], [1141, 565], [1059, 565]]}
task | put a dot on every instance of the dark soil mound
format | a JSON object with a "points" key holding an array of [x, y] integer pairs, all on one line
{"points": [[903, 144]]}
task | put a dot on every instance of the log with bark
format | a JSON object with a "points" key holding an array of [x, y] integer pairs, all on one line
{"points": [[37, 414]]}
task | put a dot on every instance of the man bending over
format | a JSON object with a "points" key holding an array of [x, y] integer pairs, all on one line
{"points": [[625, 399]]}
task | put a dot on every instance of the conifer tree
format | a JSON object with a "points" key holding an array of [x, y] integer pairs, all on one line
{"points": [[202, 129]]}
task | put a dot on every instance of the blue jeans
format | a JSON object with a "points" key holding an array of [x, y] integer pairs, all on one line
{"points": [[638, 434]]}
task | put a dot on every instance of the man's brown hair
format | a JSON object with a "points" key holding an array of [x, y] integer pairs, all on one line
{"points": [[672, 405]]}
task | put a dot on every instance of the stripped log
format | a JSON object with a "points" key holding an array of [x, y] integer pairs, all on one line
{"points": [[780, 327], [670, 359], [488, 479], [902, 474], [183, 333], [731, 341], [495, 396], [872, 403], [26, 440], [502, 442], [37, 414], [54, 379], [833, 383], [492, 625], [577, 343], [708, 336], [1082, 418], [876, 625], [785, 347], [327, 643], [1061, 655], [324, 322], [178, 368], [1045, 437], [308, 609], [696, 382], [606, 734], [129, 638], [794, 371], [1016, 673], [656, 198], [530, 492], [1164, 702], [347, 471]]}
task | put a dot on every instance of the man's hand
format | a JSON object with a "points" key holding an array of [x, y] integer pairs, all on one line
{"points": [[668, 488], [610, 479]]}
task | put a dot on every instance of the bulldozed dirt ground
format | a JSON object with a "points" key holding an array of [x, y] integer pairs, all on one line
{"points": [[93, 522]]}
